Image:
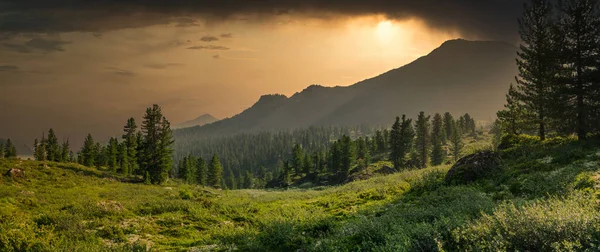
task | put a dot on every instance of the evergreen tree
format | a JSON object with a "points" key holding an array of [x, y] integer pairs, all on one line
{"points": [[448, 124], [469, 124], [396, 152], [456, 143], [307, 164], [286, 178], [437, 135], [111, 154], [579, 28], [10, 151], [536, 62], [513, 116], [157, 145], [201, 171], [52, 148], [2, 149], [347, 155], [64, 156], [379, 142], [122, 158], [130, 141], [100, 155], [88, 151], [231, 181], [297, 158], [214, 172], [496, 131], [187, 169], [386, 139], [423, 141], [248, 180]]}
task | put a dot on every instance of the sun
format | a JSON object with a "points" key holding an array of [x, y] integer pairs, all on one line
{"points": [[385, 31]]}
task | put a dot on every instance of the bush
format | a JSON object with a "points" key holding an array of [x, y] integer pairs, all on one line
{"points": [[556, 224]]}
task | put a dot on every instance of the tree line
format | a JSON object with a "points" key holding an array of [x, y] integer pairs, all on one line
{"points": [[147, 152], [7, 149], [557, 89]]}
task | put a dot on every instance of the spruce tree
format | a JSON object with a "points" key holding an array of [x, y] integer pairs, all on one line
{"points": [[122, 159], [536, 62], [215, 171], [579, 28], [157, 145], [448, 124], [307, 164], [297, 158], [456, 144], [10, 151], [111, 154], [437, 150], [36, 147], [395, 144], [88, 151], [2, 149], [513, 117], [347, 155], [379, 142], [248, 180], [423, 141], [286, 178], [201, 171], [130, 141], [64, 156], [52, 147]]}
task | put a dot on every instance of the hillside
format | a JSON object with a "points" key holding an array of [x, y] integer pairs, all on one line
{"points": [[201, 120], [543, 199], [460, 76]]}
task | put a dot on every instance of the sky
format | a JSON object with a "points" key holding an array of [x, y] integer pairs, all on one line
{"points": [[86, 66]]}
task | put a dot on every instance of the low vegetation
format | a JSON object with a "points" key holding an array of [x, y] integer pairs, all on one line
{"points": [[545, 197]]}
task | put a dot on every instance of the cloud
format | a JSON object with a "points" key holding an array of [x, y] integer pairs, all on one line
{"points": [[38, 44], [9, 68], [484, 18], [216, 56], [226, 35], [120, 72], [208, 47], [160, 66], [209, 38]]}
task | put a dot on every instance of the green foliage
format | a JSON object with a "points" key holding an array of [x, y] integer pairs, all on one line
{"points": [[215, 171], [437, 139], [423, 140], [156, 155]]}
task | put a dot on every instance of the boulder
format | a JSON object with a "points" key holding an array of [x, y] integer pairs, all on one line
{"points": [[15, 173], [474, 167]]}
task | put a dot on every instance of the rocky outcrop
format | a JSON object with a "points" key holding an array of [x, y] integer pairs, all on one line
{"points": [[474, 167]]}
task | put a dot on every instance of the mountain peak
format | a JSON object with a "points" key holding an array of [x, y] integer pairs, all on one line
{"points": [[199, 121]]}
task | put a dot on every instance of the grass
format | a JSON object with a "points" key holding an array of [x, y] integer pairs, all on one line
{"points": [[545, 198]]}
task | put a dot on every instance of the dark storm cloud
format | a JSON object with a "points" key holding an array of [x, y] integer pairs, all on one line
{"points": [[209, 38], [485, 18], [208, 47]]}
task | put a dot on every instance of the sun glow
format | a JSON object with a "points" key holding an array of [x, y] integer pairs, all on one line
{"points": [[385, 31]]}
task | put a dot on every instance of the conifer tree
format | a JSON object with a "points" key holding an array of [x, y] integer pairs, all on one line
{"points": [[423, 141], [437, 151], [64, 156], [122, 158], [297, 158], [513, 116], [456, 144], [215, 171], [201, 171], [307, 164], [579, 28], [111, 154], [130, 141], [10, 151], [347, 155], [231, 181], [100, 155], [536, 62], [286, 178], [379, 142], [52, 148], [157, 145], [395, 146], [2, 149], [448, 124], [88, 151], [248, 180], [187, 169]]}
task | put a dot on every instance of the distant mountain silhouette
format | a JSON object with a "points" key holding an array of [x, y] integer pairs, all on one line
{"points": [[458, 77], [201, 120]]}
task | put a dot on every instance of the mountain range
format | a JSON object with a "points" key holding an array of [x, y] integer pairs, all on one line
{"points": [[201, 120], [458, 77]]}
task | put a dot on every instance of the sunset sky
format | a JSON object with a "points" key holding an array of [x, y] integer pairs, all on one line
{"points": [[81, 67]]}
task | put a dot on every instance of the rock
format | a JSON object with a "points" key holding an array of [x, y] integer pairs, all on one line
{"points": [[15, 173], [386, 170], [473, 167]]}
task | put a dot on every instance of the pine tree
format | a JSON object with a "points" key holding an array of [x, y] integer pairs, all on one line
{"points": [[513, 117], [423, 141], [579, 28], [100, 155], [396, 152], [122, 158], [130, 142], [10, 151], [52, 148], [111, 154], [496, 131], [286, 178], [297, 158], [187, 169], [307, 164], [437, 151], [157, 145], [2, 149], [448, 124], [379, 142], [469, 124], [64, 156], [456, 143], [248, 180], [536, 62], [88, 151], [347, 155], [201, 171], [215, 171]]}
